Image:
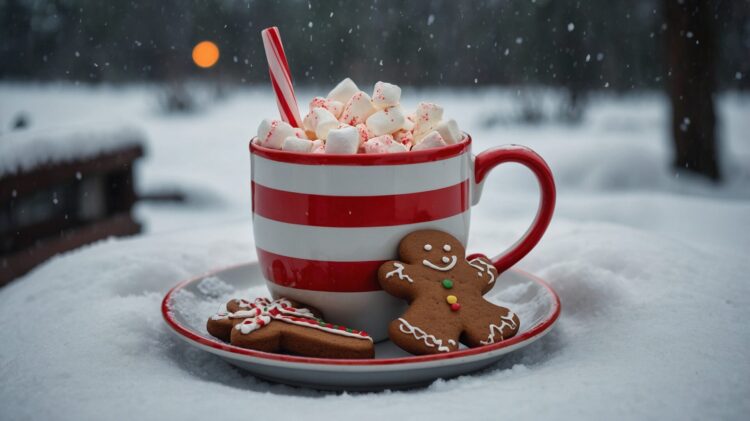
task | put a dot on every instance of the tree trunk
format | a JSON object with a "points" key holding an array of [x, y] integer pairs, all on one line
{"points": [[691, 82]]}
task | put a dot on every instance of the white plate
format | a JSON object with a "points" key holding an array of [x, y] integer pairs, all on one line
{"points": [[189, 304]]}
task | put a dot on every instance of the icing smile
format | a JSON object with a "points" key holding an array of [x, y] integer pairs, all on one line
{"points": [[445, 268]]}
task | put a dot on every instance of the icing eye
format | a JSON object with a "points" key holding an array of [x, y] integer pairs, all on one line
{"points": [[446, 259], [447, 247], [428, 247]]}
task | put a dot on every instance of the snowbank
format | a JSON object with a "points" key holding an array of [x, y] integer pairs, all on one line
{"points": [[651, 327], [652, 273]]}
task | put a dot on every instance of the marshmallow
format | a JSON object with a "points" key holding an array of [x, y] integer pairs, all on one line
{"points": [[318, 146], [364, 133], [428, 116], [404, 137], [349, 121], [335, 107], [432, 140], [357, 109], [449, 131], [386, 121], [397, 147], [342, 141], [383, 144], [385, 95], [308, 122], [320, 121], [378, 144], [271, 133], [344, 91], [409, 122], [295, 144]]}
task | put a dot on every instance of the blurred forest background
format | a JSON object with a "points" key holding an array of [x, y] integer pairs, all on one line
{"points": [[582, 45], [691, 49]]}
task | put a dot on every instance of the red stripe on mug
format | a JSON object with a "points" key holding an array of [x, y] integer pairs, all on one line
{"points": [[319, 275], [360, 211]]}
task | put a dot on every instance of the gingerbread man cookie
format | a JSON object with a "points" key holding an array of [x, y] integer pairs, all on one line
{"points": [[285, 326], [445, 292]]}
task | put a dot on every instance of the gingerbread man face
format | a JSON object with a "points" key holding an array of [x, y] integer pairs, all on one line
{"points": [[445, 292], [433, 249]]}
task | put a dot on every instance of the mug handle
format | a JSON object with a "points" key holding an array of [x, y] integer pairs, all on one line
{"points": [[489, 159]]}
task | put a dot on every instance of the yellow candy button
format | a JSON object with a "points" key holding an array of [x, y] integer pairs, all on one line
{"points": [[451, 299]]}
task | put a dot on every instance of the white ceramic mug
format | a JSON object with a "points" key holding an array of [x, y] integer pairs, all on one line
{"points": [[323, 224]]}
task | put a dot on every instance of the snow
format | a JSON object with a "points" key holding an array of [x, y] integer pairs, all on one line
{"points": [[24, 150], [651, 268]]}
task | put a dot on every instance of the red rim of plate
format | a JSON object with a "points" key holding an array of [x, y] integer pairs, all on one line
{"points": [[400, 158], [193, 336]]}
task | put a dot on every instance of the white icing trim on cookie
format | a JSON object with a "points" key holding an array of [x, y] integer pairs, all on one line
{"points": [[222, 315], [263, 310], [505, 321], [428, 247], [251, 325], [242, 314], [420, 335], [446, 268], [400, 272], [447, 247], [298, 312], [243, 303], [482, 267], [324, 328]]}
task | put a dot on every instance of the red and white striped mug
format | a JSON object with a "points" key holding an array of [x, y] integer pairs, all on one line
{"points": [[323, 224]]}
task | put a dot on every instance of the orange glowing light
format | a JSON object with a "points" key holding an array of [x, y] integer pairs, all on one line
{"points": [[205, 54]]}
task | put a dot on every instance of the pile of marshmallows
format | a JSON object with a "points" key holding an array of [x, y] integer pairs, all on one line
{"points": [[348, 121]]}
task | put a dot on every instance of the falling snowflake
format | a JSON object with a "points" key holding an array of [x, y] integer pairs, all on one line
{"points": [[685, 124]]}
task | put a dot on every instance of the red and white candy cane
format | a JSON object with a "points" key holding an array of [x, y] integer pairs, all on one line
{"points": [[281, 78]]}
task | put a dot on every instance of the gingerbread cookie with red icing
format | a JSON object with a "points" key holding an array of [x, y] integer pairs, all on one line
{"points": [[445, 294], [285, 326]]}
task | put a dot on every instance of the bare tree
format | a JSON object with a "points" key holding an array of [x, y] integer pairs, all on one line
{"points": [[691, 59]]}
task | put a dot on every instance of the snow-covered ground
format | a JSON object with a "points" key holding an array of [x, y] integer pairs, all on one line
{"points": [[652, 270]]}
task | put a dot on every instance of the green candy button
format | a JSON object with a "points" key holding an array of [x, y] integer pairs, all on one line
{"points": [[447, 284]]}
